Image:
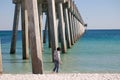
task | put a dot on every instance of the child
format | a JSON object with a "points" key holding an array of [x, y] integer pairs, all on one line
{"points": [[57, 60]]}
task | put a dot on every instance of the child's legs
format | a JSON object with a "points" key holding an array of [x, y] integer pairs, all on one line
{"points": [[55, 65]]}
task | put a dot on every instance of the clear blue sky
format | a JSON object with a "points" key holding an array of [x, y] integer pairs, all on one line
{"points": [[98, 14]]}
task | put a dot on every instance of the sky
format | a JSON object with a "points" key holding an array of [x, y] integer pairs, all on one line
{"points": [[98, 14]]}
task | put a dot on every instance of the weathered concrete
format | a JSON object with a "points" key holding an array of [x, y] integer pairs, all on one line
{"points": [[49, 33], [77, 29], [24, 21], [67, 27], [62, 27], [58, 25], [15, 28], [0, 59], [82, 29], [34, 36], [73, 28], [40, 22], [53, 27], [70, 23]]}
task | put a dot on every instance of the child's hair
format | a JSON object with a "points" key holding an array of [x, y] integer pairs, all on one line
{"points": [[58, 49]]}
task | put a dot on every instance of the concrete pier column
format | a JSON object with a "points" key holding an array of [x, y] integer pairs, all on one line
{"points": [[77, 24], [24, 23], [49, 33], [67, 27], [78, 29], [59, 27], [74, 19], [62, 27], [45, 31], [70, 23], [0, 59], [53, 26], [73, 27], [15, 28], [82, 29], [40, 22], [34, 36]]}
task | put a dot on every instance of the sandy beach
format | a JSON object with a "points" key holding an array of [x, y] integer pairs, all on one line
{"points": [[70, 76]]}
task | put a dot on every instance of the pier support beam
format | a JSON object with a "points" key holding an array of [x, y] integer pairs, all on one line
{"points": [[73, 35], [67, 27], [49, 33], [53, 27], [77, 29], [70, 23], [40, 22], [15, 28], [34, 36], [0, 58], [74, 29], [45, 31], [24, 21], [62, 27]]}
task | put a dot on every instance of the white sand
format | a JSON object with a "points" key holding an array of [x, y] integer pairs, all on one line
{"points": [[72, 76]]}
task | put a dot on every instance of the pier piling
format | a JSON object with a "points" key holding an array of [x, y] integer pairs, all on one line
{"points": [[52, 24], [67, 29], [24, 23], [34, 36], [15, 28], [62, 27]]}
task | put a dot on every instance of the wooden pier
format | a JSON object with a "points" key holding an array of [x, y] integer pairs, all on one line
{"points": [[69, 29]]}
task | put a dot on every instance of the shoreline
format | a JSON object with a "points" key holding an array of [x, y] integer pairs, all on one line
{"points": [[62, 76]]}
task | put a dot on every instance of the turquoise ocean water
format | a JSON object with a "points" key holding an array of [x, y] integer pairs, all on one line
{"points": [[98, 51]]}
